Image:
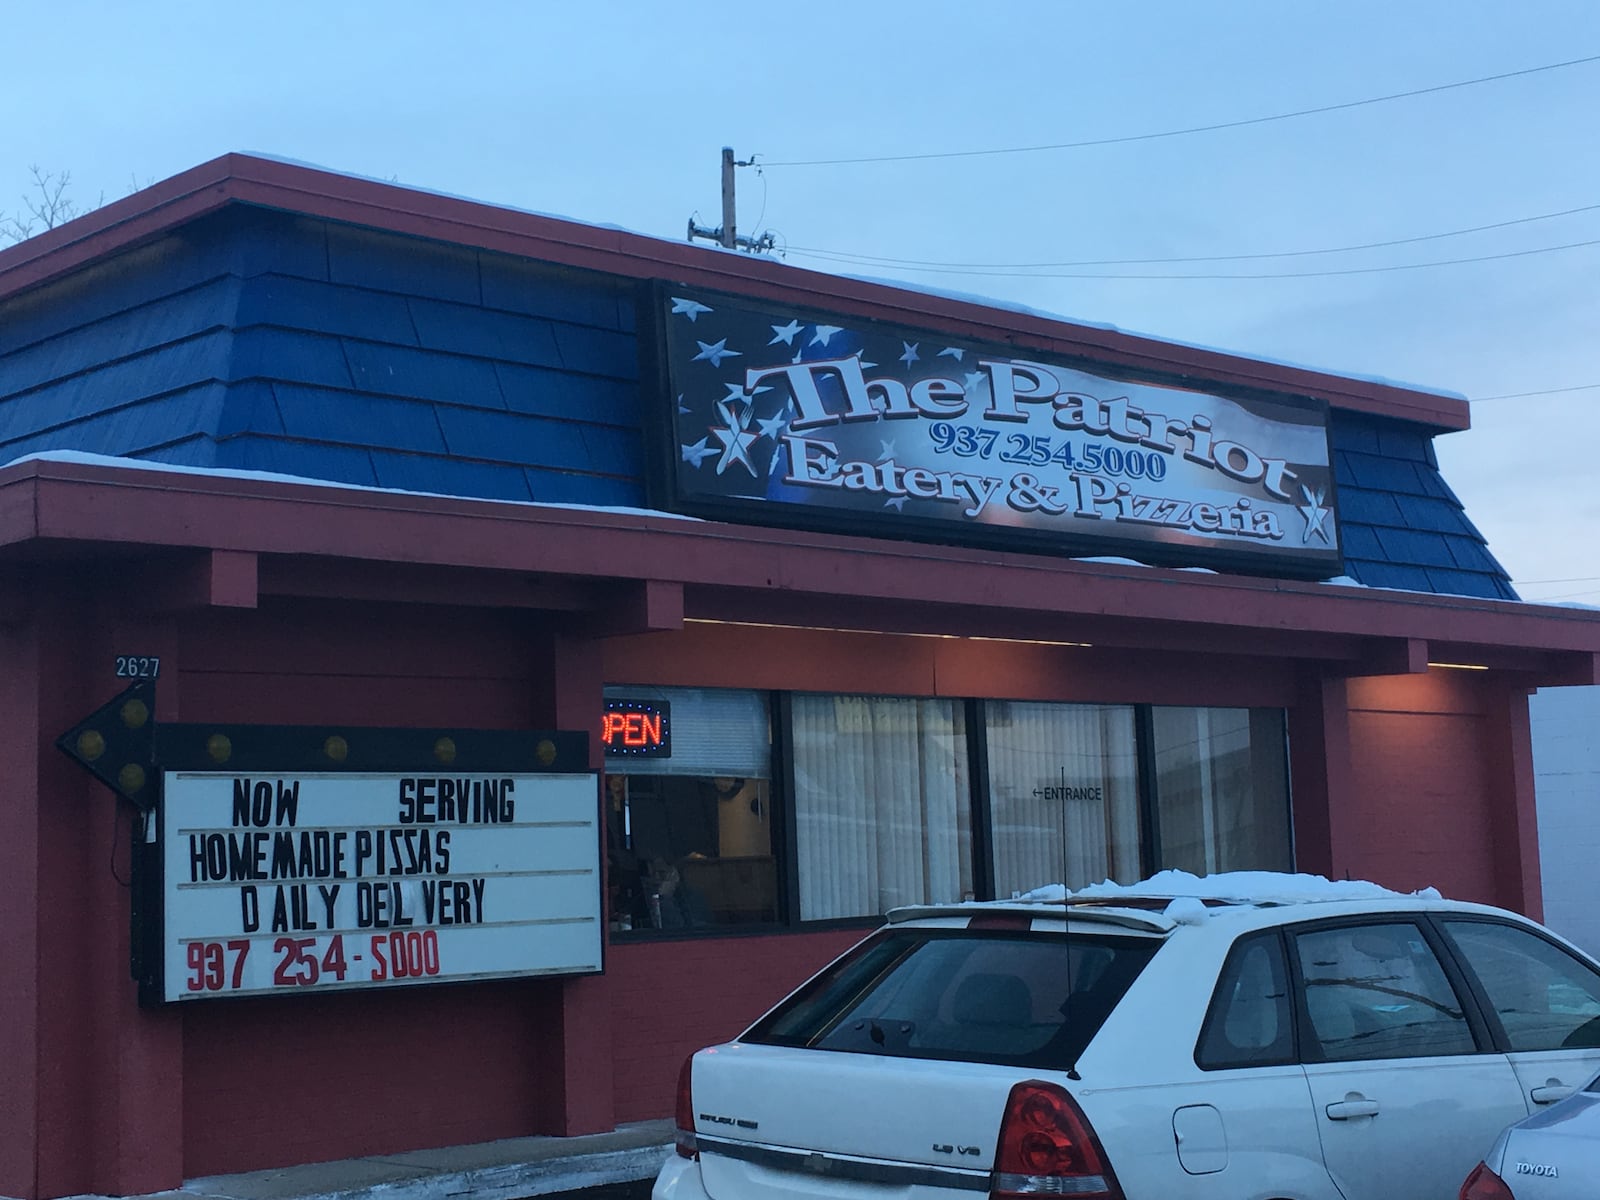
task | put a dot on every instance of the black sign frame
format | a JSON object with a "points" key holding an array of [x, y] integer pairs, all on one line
{"points": [[344, 749], [663, 447]]}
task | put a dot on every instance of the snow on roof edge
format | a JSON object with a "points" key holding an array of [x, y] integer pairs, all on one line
{"points": [[1254, 887], [85, 458]]}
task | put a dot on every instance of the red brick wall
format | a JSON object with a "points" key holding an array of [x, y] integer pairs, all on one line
{"points": [[668, 999], [19, 928], [309, 1078], [1420, 809]]}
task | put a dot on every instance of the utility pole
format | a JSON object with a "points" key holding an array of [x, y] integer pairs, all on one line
{"points": [[730, 236], [726, 235]]}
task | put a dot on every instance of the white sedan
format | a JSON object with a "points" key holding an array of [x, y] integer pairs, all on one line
{"points": [[1552, 1155]]}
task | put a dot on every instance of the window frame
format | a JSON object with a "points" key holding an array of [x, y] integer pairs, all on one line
{"points": [[1480, 995], [1216, 1010], [914, 939], [785, 832], [1309, 1051]]}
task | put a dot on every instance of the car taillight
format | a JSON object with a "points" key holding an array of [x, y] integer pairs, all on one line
{"points": [[685, 1112], [1484, 1184], [1048, 1149]]}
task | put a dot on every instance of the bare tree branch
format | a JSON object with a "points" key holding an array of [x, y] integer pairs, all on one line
{"points": [[44, 206]]}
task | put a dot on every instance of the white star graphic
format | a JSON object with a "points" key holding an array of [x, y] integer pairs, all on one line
{"points": [[898, 503], [785, 333], [1315, 514], [865, 365], [824, 334], [798, 355], [777, 453], [697, 453], [886, 449], [910, 356], [682, 407], [736, 442], [954, 352], [973, 379], [736, 392], [714, 352], [773, 426], [689, 308]]}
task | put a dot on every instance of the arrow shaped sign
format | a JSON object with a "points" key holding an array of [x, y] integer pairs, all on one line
{"points": [[116, 743]]}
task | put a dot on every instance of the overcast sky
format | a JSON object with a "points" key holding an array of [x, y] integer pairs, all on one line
{"points": [[616, 113]]}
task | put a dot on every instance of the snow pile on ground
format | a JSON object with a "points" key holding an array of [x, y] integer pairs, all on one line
{"points": [[1269, 887]]}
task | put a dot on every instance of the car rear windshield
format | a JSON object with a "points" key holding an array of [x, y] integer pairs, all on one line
{"points": [[1019, 998]]}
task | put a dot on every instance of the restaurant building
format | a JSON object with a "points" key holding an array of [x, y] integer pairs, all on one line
{"points": [[508, 654]]}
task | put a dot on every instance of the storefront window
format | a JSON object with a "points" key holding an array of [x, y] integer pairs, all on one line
{"points": [[689, 833], [1064, 794], [1222, 789], [882, 804], [883, 795]]}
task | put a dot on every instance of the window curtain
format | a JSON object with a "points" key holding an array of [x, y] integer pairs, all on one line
{"points": [[1063, 782], [882, 804], [1222, 790]]}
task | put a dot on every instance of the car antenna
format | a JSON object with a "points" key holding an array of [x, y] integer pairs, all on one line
{"points": [[1066, 921]]}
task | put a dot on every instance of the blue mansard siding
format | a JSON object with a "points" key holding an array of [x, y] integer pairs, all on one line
{"points": [[261, 341], [1403, 526], [265, 341]]}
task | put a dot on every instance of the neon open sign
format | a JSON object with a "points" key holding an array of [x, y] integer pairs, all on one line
{"points": [[637, 728]]}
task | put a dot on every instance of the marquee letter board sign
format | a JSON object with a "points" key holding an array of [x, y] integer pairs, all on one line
{"points": [[782, 416], [294, 859]]}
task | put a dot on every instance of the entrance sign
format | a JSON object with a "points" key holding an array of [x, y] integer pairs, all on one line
{"points": [[787, 417]]}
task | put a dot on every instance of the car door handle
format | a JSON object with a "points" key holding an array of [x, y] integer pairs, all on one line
{"points": [[1343, 1110], [1550, 1093]]}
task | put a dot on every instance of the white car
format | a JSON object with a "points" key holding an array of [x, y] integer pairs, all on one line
{"points": [[1552, 1155], [1245, 1037]]}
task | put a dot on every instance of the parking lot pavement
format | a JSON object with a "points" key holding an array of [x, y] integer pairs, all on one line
{"points": [[618, 1165]]}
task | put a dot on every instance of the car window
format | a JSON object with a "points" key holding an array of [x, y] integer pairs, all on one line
{"points": [[1248, 1024], [1026, 999], [1378, 991], [1545, 998]]}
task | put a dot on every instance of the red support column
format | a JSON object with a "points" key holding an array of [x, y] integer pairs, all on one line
{"points": [[1513, 811], [111, 1076], [20, 742], [139, 1052], [1321, 777], [584, 1092]]}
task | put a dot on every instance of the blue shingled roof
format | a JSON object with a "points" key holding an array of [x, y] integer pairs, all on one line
{"points": [[1403, 526], [263, 340]]}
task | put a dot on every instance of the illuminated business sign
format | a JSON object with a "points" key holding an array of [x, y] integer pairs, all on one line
{"points": [[299, 879], [637, 729], [783, 416]]}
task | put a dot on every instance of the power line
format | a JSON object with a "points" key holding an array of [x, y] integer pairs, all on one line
{"points": [[880, 260], [1168, 133], [1575, 579], [1564, 596], [1580, 387], [849, 260]]}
